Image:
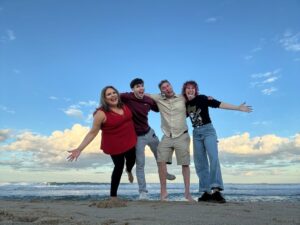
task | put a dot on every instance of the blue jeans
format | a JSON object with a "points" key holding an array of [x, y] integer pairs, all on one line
{"points": [[152, 141], [206, 158]]}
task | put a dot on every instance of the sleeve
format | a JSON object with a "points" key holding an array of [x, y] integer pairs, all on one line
{"points": [[214, 103], [153, 106], [125, 97], [155, 97]]}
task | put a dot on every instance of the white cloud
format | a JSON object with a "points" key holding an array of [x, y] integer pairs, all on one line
{"points": [[53, 98], [89, 118], [77, 110], [8, 36], [264, 80], [73, 112], [290, 41], [268, 151], [16, 71], [4, 134], [11, 35], [261, 123], [266, 74], [248, 57], [211, 20], [89, 103], [269, 91], [6, 109], [243, 145], [270, 80], [67, 99], [50, 152], [261, 157]]}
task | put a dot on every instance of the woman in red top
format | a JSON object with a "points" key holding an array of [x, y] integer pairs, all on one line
{"points": [[118, 135]]}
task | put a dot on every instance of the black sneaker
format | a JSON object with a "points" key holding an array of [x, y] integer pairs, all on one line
{"points": [[205, 197], [217, 197]]}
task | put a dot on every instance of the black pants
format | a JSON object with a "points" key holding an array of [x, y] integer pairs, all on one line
{"points": [[118, 169]]}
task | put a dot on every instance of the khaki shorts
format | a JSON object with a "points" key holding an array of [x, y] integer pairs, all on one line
{"points": [[181, 145]]}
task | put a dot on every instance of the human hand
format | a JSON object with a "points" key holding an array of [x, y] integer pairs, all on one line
{"points": [[74, 155], [245, 108]]}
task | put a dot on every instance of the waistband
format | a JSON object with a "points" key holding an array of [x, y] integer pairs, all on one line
{"points": [[203, 125]]}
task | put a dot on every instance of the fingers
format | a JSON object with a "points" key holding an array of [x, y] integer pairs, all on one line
{"points": [[71, 157]]}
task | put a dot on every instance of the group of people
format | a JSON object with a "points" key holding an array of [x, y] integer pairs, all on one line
{"points": [[123, 119]]}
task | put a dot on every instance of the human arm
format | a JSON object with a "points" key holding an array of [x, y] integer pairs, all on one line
{"points": [[242, 107], [153, 106], [98, 120], [125, 97]]}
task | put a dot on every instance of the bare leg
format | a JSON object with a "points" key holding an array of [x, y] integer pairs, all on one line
{"points": [[162, 171], [186, 178]]}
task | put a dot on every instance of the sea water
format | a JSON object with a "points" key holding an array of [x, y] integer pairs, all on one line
{"points": [[99, 191]]}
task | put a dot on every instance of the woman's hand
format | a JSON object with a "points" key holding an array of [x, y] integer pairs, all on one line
{"points": [[245, 108], [74, 155]]}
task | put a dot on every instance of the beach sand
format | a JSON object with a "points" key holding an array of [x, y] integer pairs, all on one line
{"points": [[147, 212]]}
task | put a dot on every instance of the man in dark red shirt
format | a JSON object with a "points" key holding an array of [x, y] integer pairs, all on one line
{"points": [[140, 105]]}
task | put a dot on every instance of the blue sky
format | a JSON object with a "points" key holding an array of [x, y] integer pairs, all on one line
{"points": [[56, 56]]}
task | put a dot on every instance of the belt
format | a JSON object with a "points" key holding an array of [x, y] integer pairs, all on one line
{"points": [[182, 133]]}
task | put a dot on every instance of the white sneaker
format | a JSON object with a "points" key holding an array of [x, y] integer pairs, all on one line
{"points": [[143, 196], [171, 176]]}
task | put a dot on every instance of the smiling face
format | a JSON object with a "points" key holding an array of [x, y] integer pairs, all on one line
{"points": [[190, 91], [167, 89], [139, 90], [111, 97]]}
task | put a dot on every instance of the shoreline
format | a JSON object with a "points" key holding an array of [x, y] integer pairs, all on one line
{"points": [[147, 212]]}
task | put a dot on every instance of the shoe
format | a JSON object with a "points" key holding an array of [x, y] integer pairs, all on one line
{"points": [[171, 176], [205, 197], [217, 197], [143, 196]]}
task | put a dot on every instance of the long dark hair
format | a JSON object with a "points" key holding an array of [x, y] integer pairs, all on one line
{"points": [[189, 82], [103, 104]]}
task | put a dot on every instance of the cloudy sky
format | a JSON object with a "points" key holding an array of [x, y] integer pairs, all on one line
{"points": [[56, 56]]}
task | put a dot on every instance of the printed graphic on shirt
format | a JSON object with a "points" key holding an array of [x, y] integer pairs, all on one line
{"points": [[195, 116]]}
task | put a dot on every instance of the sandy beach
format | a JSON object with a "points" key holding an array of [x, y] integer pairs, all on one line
{"points": [[147, 212]]}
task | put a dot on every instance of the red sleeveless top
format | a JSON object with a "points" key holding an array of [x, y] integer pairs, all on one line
{"points": [[118, 133]]}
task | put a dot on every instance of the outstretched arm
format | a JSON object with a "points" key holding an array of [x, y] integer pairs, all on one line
{"points": [[242, 107], [98, 120]]}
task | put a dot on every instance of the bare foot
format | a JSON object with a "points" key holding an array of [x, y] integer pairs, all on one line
{"points": [[189, 198], [114, 199], [164, 196], [130, 176]]}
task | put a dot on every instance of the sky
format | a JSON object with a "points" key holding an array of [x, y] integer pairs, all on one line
{"points": [[57, 55]]}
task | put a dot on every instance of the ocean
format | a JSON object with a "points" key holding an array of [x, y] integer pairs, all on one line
{"points": [[99, 191]]}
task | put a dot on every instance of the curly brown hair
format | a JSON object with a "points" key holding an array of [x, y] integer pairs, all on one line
{"points": [[189, 82]]}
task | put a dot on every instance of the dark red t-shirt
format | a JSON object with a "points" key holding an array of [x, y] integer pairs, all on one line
{"points": [[140, 109]]}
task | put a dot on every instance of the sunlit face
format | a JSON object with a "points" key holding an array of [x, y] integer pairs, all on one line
{"points": [[111, 97], [139, 90], [190, 91], [167, 90]]}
